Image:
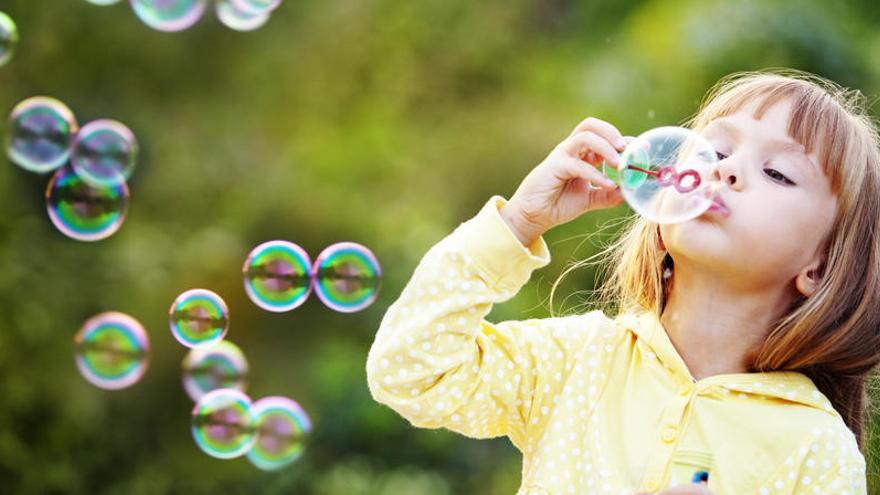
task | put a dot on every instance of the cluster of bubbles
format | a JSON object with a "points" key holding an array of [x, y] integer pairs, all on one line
{"points": [[8, 38], [87, 196], [667, 174], [271, 431], [226, 424], [178, 15], [279, 276]]}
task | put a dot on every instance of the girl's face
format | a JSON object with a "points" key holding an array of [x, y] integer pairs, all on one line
{"points": [[779, 205]]}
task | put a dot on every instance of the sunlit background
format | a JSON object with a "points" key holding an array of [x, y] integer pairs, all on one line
{"points": [[384, 122]]}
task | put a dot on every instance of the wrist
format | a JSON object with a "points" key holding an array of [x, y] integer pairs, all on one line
{"points": [[526, 232]]}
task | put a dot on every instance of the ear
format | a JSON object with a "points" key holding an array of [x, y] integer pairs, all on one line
{"points": [[809, 278]]}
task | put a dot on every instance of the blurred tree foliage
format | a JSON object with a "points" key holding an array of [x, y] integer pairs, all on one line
{"points": [[386, 122]]}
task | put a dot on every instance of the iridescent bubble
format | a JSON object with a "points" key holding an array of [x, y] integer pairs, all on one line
{"points": [[169, 15], [255, 6], [223, 424], [277, 276], [346, 276], [40, 133], [198, 318], [222, 365], [281, 430], [104, 152], [666, 174], [112, 350], [237, 19], [82, 211], [8, 38]]}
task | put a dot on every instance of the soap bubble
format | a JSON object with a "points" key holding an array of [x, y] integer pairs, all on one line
{"points": [[111, 350], [237, 19], [281, 430], [104, 152], [198, 318], [40, 133], [346, 277], [169, 15], [222, 365], [255, 6], [666, 174], [82, 211], [277, 276], [8, 38], [223, 424]]}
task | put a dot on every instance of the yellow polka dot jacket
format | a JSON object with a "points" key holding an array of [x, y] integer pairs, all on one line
{"points": [[594, 404]]}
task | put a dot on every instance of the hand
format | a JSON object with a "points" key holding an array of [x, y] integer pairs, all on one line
{"points": [[558, 189], [689, 489]]}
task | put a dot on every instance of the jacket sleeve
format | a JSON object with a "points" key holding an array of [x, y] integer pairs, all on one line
{"points": [[438, 363]]}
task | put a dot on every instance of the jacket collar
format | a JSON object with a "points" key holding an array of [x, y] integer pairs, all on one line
{"points": [[790, 386]]}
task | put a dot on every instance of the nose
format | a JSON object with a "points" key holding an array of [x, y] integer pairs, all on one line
{"points": [[727, 171]]}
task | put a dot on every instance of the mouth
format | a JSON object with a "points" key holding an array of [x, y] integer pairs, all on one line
{"points": [[719, 206]]}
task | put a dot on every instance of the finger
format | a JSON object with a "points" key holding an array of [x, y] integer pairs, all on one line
{"points": [[589, 146], [601, 128], [577, 169]]}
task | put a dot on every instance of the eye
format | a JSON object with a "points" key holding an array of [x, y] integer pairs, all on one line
{"points": [[777, 176], [720, 156]]}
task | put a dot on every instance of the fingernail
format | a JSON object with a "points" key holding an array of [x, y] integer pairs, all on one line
{"points": [[620, 142]]}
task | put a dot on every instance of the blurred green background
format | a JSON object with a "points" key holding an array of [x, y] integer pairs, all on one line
{"points": [[386, 122]]}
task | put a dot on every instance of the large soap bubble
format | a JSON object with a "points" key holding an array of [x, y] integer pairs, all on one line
{"points": [[40, 133], [667, 174], [104, 152], [206, 369], [346, 276], [111, 350], [223, 424], [277, 276], [169, 15], [8, 38], [234, 18], [82, 211], [282, 427]]}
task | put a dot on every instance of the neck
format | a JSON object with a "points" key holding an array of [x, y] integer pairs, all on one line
{"points": [[713, 325]]}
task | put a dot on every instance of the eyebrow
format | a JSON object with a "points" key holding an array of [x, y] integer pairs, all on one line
{"points": [[779, 144]]}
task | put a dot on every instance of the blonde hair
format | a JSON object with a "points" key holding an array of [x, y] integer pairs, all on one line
{"points": [[833, 336]]}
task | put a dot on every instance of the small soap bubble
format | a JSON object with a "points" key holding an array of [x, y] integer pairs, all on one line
{"points": [[206, 369], [198, 318], [223, 424], [104, 152], [40, 133], [82, 211], [239, 20], [666, 174], [8, 38], [255, 7], [346, 276], [169, 15], [282, 427], [112, 350], [277, 276]]}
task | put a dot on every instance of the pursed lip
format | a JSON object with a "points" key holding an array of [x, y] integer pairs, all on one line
{"points": [[719, 206]]}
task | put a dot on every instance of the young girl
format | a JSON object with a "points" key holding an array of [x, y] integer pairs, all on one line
{"points": [[742, 339]]}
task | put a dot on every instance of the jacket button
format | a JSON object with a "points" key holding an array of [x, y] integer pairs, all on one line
{"points": [[668, 434]]}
